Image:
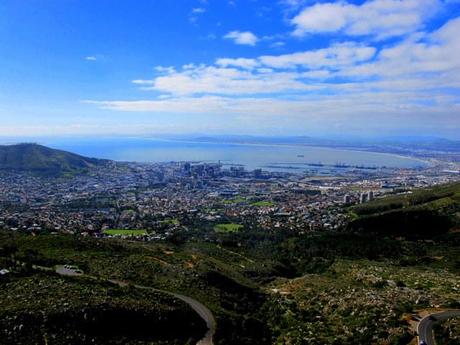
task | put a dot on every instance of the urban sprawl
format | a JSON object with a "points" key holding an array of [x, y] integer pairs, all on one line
{"points": [[160, 199]]}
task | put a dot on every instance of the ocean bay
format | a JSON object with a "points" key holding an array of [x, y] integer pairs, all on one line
{"points": [[294, 158]]}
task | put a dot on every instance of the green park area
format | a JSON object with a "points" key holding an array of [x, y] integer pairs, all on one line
{"points": [[263, 203], [236, 200], [172, 221], [125, 232], [228, 227]]}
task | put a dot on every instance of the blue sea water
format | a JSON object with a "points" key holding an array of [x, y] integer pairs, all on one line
{"points": [[268, 157]]}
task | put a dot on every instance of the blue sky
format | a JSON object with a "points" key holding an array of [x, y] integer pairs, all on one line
{"points": [[289, 67]]}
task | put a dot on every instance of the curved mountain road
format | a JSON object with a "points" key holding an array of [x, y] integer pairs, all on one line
{"points": [[425, 326], [205, 314], [198, 307]]}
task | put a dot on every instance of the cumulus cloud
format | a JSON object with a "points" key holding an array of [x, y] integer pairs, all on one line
{"points": [[242, 37], [420, 62], [265, 74], [402, 81], [335, 55], [225, 80], [238, 62], [432, 58], [378, 18]]}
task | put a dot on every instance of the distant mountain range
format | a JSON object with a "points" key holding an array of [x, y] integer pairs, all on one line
{"points": [[43, 160], [388, 144]]}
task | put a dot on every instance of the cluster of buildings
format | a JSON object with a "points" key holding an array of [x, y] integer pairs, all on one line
{"points": [[163, 198], [363, 197]]}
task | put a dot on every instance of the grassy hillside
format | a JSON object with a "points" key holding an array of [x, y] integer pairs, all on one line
{"points": [[357, 302], [400, 255], [43, 160], [422, 213], [213, 275], [278, 289], [271, 287], [54, 310]]}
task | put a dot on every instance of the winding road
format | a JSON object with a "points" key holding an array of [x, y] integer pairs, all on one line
{"points": [[198, 307], [425, 326], [205, 314]]}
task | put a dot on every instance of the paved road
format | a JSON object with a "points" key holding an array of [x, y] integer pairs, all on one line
{"points": [[425, 326], [205, 314], [198, 307]]}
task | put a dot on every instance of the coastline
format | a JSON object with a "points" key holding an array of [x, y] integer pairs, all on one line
{"points": [[335, 148], [139, 149]]}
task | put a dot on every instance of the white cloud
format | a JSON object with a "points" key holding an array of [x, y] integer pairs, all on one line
{"points": [[379, 18], [142, 82], [198, 10], [421, 62], [195, 80], [329, 17], [208, 104], [277, 44], [402, 82], [431, 58], [91, 58], [195, 13], [266, 74], [239, 62], [378, 109], [163, 69], [334, 56], [242, 37]]}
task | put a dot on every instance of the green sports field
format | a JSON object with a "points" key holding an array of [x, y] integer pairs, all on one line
{"points": [[125, 232], [228, 227]]}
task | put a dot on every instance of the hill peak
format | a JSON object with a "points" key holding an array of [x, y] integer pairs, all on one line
{"points": [[43, 160]]}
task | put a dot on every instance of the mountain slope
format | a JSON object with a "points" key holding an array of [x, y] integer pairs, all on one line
{"points": [[43, 160], [423, 213]]}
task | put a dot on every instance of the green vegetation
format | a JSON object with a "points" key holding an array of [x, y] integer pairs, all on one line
{"points": [[423, 213], [427, 198], [125, 232], [263, 204], [448, 332], [236, 200], [170, 222], [355, 302], [228, 227], [353, 286], [275, 285], [43, 160], [58, 310], [213, 275]]}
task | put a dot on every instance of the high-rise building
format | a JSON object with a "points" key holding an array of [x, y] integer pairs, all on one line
{"points": [[370, 195], [257, 173]]}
